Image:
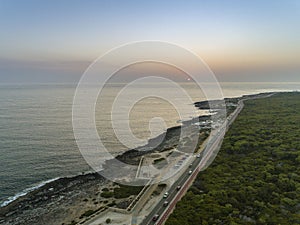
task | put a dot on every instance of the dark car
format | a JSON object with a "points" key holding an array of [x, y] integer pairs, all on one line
{"points": [[178, 188], [166, 203], [155, 218]]}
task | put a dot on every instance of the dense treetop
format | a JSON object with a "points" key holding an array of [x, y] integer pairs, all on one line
{"points": [[255, 179]]}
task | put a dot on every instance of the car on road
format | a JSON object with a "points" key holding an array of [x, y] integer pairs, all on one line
{"points": [[166, 195], [166, 203], [198, 156], [178, 187], [155, 217], [191, 171]]}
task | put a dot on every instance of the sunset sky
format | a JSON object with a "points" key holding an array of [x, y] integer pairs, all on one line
{"points": [[54, 41]]}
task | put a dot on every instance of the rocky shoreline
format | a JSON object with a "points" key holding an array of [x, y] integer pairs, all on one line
{"points": [[65, 199], [75, 195], [54, 201], [62, 201]]}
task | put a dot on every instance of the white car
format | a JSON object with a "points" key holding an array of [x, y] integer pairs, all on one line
{"points": [[191, 171], [166, 195]]}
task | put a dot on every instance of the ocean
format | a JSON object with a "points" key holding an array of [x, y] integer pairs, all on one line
{"points": [[37, 142]]}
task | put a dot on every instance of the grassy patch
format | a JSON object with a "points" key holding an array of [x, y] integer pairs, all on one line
{"points": [[156, 161], [87, 213], [124, 191], [107, 194]]}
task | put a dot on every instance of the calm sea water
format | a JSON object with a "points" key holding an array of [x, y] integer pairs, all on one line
{"points": [[36, 136]]}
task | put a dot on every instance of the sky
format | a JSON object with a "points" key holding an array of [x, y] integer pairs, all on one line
{"points": [[55, 41]]}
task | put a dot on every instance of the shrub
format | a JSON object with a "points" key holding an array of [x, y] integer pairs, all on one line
{"points": [[125, 191], [87, 213], [107, 194]]}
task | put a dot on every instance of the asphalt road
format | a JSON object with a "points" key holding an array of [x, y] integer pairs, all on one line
{"points": [[160, 208]]}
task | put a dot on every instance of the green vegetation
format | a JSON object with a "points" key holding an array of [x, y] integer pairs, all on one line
{"points": [[170, 153], [158, 160], [108, 220], [113, 203], [91, 212], [87, 213], [163, 185], [159, 189], [255, 179], [107, 194], [160, 163], [202, 137], [73, 222], [123, 191], [231, 104]]}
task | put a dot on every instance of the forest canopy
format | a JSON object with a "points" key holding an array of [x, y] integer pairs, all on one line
{"points": [[255, 179]]}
